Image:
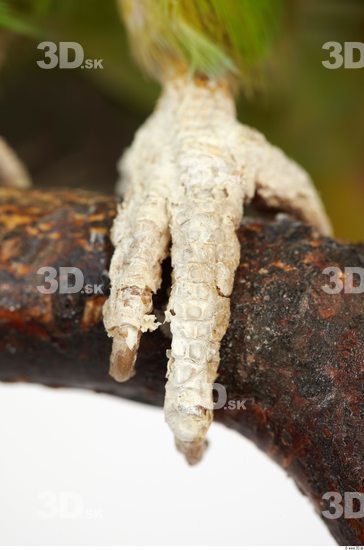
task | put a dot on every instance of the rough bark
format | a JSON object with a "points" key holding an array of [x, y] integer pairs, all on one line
{"points": [[293, 351]]}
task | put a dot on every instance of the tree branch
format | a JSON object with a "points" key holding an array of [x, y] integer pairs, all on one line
{"points": [[293, 353]]}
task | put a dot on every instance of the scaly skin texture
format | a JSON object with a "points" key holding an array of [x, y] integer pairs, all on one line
{"points": [[292, 353], [185, 180]]}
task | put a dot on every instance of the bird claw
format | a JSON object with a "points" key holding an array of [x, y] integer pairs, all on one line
{"points": [[191, 168]]}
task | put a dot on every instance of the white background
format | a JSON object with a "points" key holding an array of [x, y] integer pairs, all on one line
{"points": [[84, 468]]}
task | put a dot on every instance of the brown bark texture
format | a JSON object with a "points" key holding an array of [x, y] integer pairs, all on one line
{"points": [[293, 354]]}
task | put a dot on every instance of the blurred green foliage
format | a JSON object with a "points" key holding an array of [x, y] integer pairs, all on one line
{"points": [[316, 115]]}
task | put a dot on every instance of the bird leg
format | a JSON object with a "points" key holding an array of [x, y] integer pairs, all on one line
{"points": [[185, 179], [12, 171]]}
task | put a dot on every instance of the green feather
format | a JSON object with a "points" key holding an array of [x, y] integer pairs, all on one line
{"points": [[214, 38]]}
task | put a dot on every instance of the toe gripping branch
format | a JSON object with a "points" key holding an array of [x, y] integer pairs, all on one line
{"points": [[185, 179]]}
